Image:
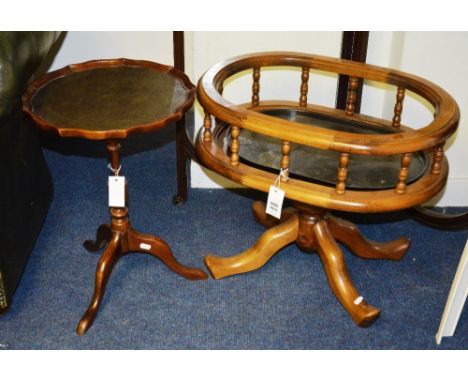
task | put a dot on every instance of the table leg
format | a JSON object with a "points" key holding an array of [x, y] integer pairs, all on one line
{"points": [[155, 246], [268, 221], [103, 236], [258, 255], [348, 234], [103, 271], [338, 277]]}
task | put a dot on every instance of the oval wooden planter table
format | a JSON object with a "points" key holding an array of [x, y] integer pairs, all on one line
{"points": [[331, 160], [108, 100]]}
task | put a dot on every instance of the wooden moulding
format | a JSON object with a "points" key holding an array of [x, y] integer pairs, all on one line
{"points": [[438, 131], [213, 157], [35, 86]]}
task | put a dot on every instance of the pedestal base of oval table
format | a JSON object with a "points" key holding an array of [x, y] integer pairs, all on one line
{"points": [[313, 230]]}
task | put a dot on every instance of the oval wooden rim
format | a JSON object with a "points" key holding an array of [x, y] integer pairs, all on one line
{"points": [[429, 185], [35, 86], [445, 121]]}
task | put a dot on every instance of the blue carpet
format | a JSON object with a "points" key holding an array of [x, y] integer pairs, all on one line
{"points": [[285, 305]]}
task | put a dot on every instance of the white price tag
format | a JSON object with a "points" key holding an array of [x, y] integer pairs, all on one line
{"points": [[358, 300], [116, 191], [275, 202]]}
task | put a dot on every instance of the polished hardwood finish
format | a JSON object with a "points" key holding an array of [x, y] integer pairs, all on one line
{"points": [[438, 157], [313, 230], [354, 48], [398, 107], [351, 100], [304, 86], [403, 175], [103, 103], [256, 87], [285, 160], [342, 173], [122, 239], [182, 140], [309, 224], [207, 127], [39, 97], [235, 131]]}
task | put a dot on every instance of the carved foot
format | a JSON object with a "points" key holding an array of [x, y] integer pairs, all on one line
{"points": [[104, 268], [268, 221], [152, 245], [103, 236], [256, 256], [340, 282], [348, 234]]}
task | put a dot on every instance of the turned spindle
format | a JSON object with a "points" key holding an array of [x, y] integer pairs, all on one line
{"points": [[220, 91], [207, 127], [437, 159], [398, 107], [256, 87], [304, 87], [351, 99], [342, 173], [403, 174], [235, 131], [285, 160]]}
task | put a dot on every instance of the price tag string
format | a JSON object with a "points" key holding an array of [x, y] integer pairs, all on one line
{"points": [[116, 172], [283, 174]]}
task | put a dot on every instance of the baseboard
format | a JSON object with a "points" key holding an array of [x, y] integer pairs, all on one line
{"points": [[455, 193]]}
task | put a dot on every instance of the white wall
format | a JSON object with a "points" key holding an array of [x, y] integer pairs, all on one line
{"points": [[84, 46], [439, 57]]}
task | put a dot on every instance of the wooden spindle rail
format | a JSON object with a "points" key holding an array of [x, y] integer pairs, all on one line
{"points": [[285, 160], [351, 100], [220, 91], [437, 159], [304, 86], [398, 107], [342, 173], [256, 87], [207, 127], [235, 131], [403, 174]]}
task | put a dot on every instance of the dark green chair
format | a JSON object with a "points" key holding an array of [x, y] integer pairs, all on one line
{"points": [[26, 185]]}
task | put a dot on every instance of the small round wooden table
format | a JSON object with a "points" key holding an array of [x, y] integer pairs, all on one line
{"points": [[109, 100]]}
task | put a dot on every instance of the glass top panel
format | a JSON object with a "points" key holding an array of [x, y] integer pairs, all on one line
{"points": [[109, 98]]}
